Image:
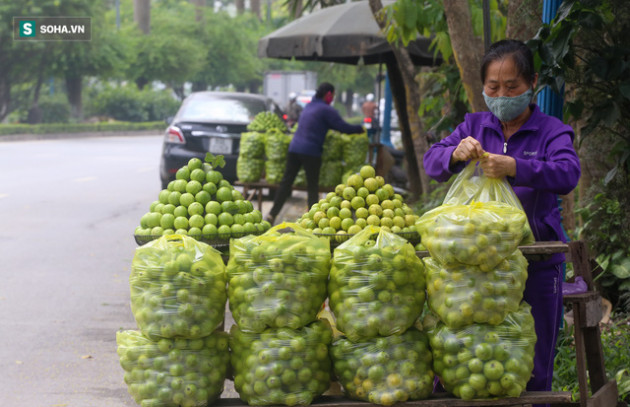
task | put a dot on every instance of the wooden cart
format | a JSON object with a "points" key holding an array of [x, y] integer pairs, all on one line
{"points": [[589, 354]]}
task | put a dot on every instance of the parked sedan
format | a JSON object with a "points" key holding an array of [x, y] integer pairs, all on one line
{"points": [[210, 122]]}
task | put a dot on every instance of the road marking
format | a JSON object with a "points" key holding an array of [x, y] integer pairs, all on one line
{"points": [[84, 179]]}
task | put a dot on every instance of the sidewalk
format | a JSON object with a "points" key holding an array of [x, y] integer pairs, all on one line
{"points": [[293, 209]]}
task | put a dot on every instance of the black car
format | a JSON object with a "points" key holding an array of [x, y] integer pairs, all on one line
{"points": [[210, 122]]}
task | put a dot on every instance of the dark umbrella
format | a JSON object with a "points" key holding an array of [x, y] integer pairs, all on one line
{"points": [[345, 33]]}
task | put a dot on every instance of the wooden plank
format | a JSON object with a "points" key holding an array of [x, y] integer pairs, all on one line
{"points": [[438, 400], [540, 249], [595, 357], [580, 259], [607, 396], [580, 355]]}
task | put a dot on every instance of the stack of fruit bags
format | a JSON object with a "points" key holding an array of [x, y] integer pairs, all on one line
{"points": [[332, 155], [251, 157], [179, 356], [377, 291], [201, 204], [354, 155], [364, 200], [277, 287], [475, 281]]}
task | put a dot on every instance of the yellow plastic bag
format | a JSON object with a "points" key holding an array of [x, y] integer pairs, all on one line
{"points": [[483, 361], [385, 370], [277, 279], [481, 222], [174, 372], [461, 295], [281, 366], [377, 285], [178, 288]]}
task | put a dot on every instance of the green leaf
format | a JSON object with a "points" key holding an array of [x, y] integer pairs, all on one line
{"points": [[564, 10], [622, 270]]}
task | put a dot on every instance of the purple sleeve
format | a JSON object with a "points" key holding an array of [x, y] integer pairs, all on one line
{"points": [[558, 173], [335, 122], [437, 159]]}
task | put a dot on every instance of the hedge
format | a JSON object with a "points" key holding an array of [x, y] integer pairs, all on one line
{"points": [[11, 129]]}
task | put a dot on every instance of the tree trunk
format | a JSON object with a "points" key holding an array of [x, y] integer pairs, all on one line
{"points": [[299, 8], [35, 112], [409, 150], [524, 18], [200, 6], [409, 88], [73, 89], [142, 15], [467, 49], [240, 6], [5, 96], [255, 7]]}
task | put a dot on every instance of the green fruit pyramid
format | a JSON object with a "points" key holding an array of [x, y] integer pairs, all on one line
{"points": [[281, 366], [173, 372], [364, 200], [484, 361], [200, 203], [177, 288], [376, 286], [385, 370], [264, 121]]}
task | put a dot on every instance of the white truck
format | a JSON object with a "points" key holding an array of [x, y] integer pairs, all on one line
{"points": [[279, 84]]}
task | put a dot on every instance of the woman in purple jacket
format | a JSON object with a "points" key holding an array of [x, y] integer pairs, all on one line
{"points": [[307, 145], [535, 153]]}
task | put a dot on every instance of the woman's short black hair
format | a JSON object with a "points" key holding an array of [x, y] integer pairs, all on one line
{"points": [[520, 53], [324, 88]]}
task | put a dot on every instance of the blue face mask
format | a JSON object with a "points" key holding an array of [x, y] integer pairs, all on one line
{"points": [[507, 108]]}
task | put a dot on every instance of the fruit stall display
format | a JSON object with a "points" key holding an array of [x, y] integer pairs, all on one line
{"points": [[179, 357], [201, 204], [365, 200], [250, 164], [475, 281]]}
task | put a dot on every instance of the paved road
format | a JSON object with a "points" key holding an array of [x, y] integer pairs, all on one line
{"points": [[68, 209]]}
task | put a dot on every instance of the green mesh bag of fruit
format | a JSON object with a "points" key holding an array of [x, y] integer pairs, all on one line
{"points": [[385, 370], [461, 294], [484, 361], [481, 222], [178, 288], [281, 366], [377, 285], [277, 279], [174, 372]]}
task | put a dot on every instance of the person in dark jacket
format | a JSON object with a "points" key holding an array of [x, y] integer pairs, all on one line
{"points": [[535, 153], [307, 144]]}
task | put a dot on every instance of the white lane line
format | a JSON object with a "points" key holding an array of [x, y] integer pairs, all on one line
{"points": [[84, 179]]}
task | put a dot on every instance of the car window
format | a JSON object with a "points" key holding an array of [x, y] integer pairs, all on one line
{"points": [[221, 110]]}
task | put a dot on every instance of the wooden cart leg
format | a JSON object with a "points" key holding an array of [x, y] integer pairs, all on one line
{"points": [[580, 353]]}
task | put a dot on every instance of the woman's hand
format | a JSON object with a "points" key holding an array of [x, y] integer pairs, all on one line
{"points": [[497, 165], [468, 149]]}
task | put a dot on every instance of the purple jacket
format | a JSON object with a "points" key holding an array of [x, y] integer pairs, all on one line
{"points": [[317, 118], [546, 164]]}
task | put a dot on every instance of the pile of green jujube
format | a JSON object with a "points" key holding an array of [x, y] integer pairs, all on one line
{"points": [[355, 151], [385, 370], [264, 121], [277, 279], [178, 288], [461, 294], [481, 360], [376, 285], [173, 372], [480, 234], [200, 203], [281, 366]]}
